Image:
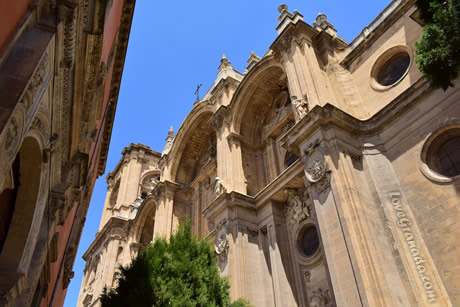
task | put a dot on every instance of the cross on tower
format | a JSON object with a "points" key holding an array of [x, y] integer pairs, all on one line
{"points": [[197, 92]]}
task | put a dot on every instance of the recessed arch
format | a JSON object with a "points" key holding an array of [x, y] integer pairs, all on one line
{"points": [[262, 110], [256, 91], [192, 141], [19, 242], [145, 221]]}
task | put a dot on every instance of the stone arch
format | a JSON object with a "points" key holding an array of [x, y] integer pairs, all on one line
{"points": [[145, 222], [256, 91], [193, 145], [262, 112], [30, 200]]}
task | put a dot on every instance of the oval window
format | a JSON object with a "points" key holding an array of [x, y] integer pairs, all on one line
{"points": [[393, 69], [309, 241]]}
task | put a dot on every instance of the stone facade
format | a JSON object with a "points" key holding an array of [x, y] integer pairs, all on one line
{"points": [[326, 174], [60, 69]]}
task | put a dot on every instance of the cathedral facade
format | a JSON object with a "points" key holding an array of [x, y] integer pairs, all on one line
{"points": [[326, 174]]}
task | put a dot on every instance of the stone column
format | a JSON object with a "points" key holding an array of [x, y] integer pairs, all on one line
{"points": [[236, 172], [229, 159], [307, 83], [134, 176], [125, 170], [106, 213], [110, 264], [272, 158], [129, 182]]}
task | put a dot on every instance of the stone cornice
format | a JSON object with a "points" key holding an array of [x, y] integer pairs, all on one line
{"points": [[283, 42], [119, 61], [133, 149], [376, 28], [227, 200], [104, 233], [331, 115]]}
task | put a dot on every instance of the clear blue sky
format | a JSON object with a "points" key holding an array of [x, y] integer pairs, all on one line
{"points": [[175, 45]]}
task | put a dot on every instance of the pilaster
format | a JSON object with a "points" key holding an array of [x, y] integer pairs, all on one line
{"points": [[164, 211], [229, 157], [425, 283]]}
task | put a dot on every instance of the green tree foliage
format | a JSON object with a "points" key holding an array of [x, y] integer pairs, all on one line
{"points": [[182, 272], [438, 52]]}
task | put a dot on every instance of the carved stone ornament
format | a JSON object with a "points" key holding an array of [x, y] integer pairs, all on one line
{"points": [[36, 82], [219, 187], [221, 246], [12, 133], [316, 170], [315, 162], [284, 42], [300, 106], [307, 277], [298, 206], [320, 298]]}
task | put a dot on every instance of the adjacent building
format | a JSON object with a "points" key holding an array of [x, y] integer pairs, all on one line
{"points": [[326, 174], [60, 71]]}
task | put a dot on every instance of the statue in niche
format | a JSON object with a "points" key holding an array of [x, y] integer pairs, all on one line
{"points": [[280, 101], [212, 146], [209, 154]]}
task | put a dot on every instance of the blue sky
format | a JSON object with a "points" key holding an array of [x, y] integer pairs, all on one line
{"points": [[176, 45]]}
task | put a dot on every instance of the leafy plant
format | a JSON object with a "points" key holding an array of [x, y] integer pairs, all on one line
{"points": [[438, 52], [179, 272]]}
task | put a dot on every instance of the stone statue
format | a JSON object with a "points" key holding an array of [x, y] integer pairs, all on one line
{"points": [[219, 187], [301, 106]]}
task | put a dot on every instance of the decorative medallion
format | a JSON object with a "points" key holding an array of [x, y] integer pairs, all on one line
{"points": [[221, 245]]}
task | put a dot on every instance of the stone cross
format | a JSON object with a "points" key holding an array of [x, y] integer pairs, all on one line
{"points": [[197, 92]]}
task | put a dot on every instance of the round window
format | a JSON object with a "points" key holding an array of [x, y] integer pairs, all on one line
{"points": [[308, 242], [393, 69], [443, 155], [390, 67]]}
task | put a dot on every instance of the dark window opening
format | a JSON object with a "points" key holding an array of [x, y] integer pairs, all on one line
{"points": [[393, 69]]}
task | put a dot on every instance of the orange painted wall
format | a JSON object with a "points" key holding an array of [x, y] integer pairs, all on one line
{"points": [[12, 12], [112, 24]]}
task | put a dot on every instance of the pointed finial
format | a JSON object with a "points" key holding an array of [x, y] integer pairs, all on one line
{"points": [[224, 63], [169, 140]]}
